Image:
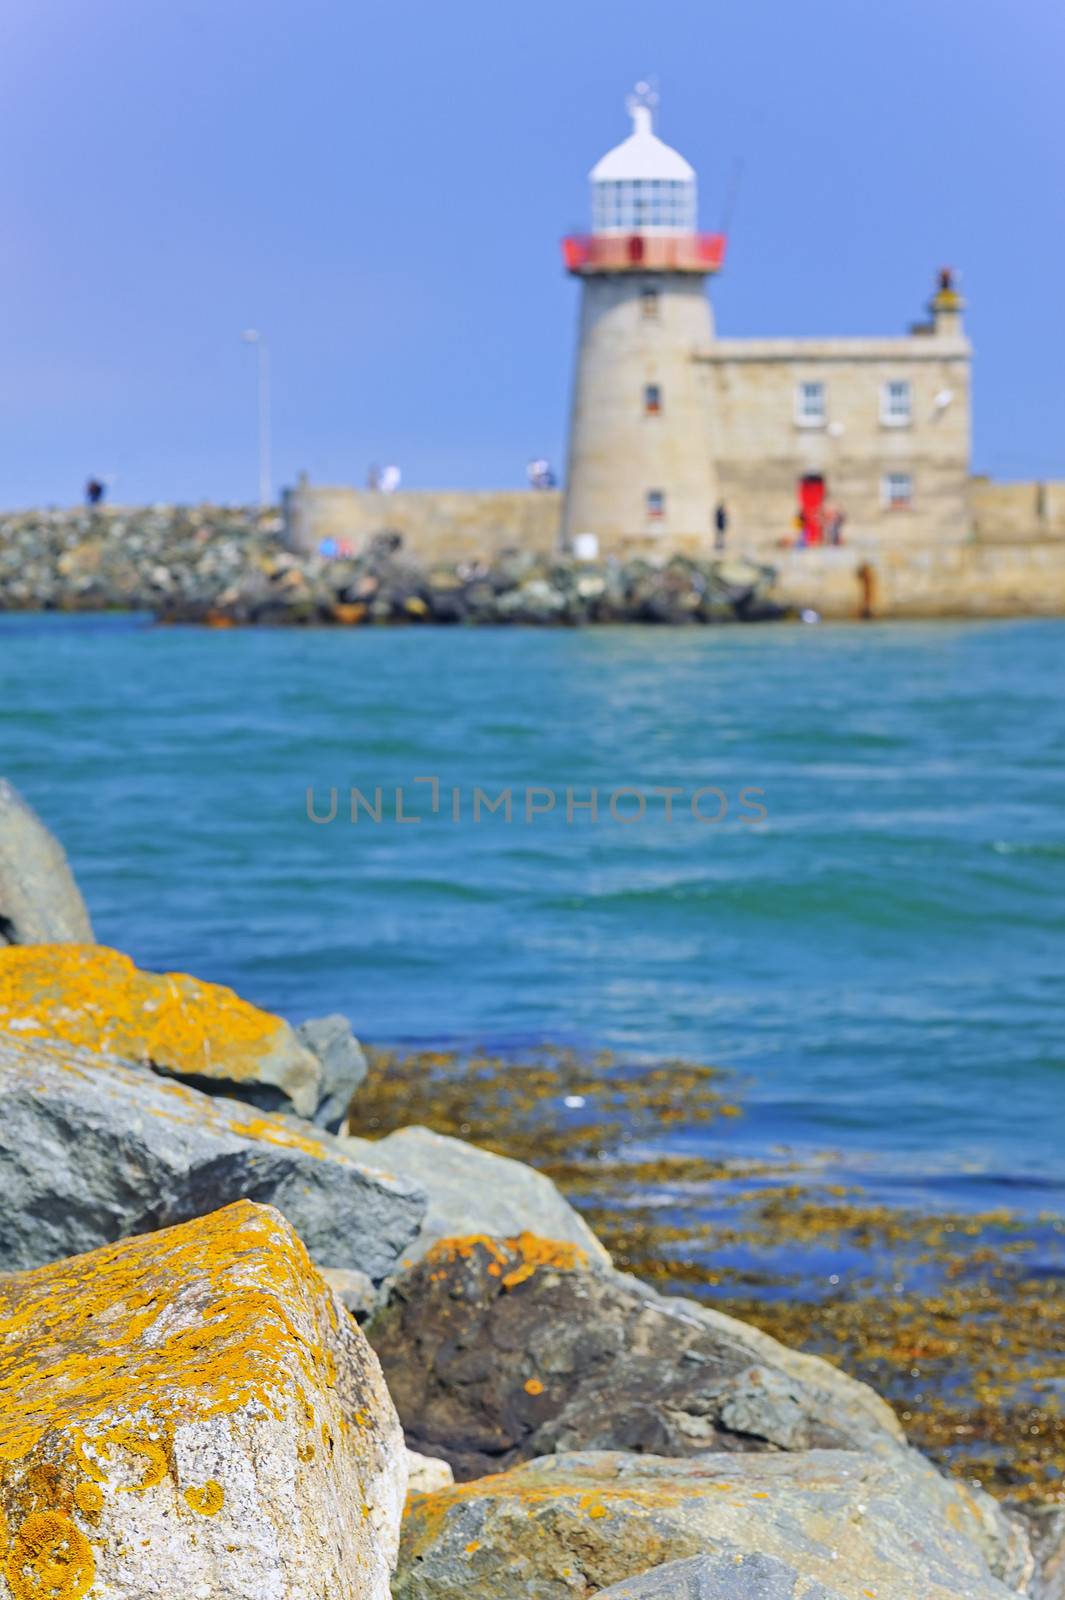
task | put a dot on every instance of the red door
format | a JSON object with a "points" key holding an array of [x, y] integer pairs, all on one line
{"points": [[811, 507]]}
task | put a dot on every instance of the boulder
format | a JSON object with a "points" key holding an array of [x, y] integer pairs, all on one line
{"points": [[91, 1151], [356, 1291], [847, 1524], [500, 1350], [190, 1414], [1045, 1524], [472, 1191], [427, 1474], [39, 900], [342, 1066], [203, 1033]]}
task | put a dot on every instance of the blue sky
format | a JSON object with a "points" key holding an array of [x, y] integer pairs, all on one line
{"points": [[381, 187]]}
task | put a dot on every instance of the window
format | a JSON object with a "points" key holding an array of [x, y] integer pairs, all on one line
{"points": [[656, 504], [896, 491], [652, 399], [649, 304], [810, 405], [636, 205], [896, 403]]}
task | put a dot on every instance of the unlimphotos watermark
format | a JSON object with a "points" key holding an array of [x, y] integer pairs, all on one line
{"points": [[528, 803]]}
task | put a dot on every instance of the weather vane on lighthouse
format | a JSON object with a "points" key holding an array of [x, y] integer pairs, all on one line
{"points": [[645, 94]]}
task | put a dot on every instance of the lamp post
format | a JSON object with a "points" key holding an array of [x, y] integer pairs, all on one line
{"points": [[253, 336]]}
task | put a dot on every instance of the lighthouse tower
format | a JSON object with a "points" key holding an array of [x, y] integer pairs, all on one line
{"points": [[640, 469]]}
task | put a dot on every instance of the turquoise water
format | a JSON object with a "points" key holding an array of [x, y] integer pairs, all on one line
{"points": [[880, 961]]}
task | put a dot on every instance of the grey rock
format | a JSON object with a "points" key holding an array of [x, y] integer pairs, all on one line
{"points": [[500, 1350], [472, 1191], [425, 1474], [343, 1065], [849, 1525], [730, 1574], [92, 1151], [356, 1291], [39, 901], [1045, 1525]]}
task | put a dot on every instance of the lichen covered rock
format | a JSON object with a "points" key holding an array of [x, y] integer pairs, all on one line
{"points": [[848, 1525], [97, 999], [39, 901], [473, 1191], [191, 1414], [500, 1350], [91, 1151]]}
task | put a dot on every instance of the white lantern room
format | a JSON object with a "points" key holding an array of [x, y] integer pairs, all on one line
{"points": [[643, 186]]}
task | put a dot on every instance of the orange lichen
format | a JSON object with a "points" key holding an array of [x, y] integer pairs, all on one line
{"points": [[49, 1559], [533, 1386], [154, 1453], [205, 1498], [220, 1295], [88, 1497], [273, 1131], [521, 1255], [96, 999]]}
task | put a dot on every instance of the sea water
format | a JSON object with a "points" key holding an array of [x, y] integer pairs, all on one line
{"points": [[872, 939]]}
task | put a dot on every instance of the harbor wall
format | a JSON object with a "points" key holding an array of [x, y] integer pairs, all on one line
{"points": [[435, 524], [1011, 564]]}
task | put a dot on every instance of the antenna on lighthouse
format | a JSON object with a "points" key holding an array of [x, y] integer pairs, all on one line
{"points": [[732, 195]]}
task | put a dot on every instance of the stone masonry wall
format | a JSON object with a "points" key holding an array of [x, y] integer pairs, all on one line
{"points": [[762, 448], [1011, 563], [1023, 511], [436, 525]]}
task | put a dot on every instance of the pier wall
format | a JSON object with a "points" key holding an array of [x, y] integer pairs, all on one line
{"points": [[436, 524]]}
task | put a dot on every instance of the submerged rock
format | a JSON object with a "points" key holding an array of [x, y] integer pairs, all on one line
{"points": [[472, 1191], [500, 1350], [189, 1414], [203, 1033], [848, 1525], [342, 1063], [39, 901], [92, 1151]]}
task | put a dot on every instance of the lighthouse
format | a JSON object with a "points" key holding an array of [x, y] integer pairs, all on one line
{"points": [[640, 469]]}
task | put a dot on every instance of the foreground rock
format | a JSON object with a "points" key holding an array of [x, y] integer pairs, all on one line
{"points": [[39, 901], [98, 1000], [342, 1066], [496, 1351], [472, 1191], [840, 1525], [189, 1414], [91, 1151]]}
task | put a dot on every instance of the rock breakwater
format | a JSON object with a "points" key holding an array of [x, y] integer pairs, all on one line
{"points": [[227, 566]]}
